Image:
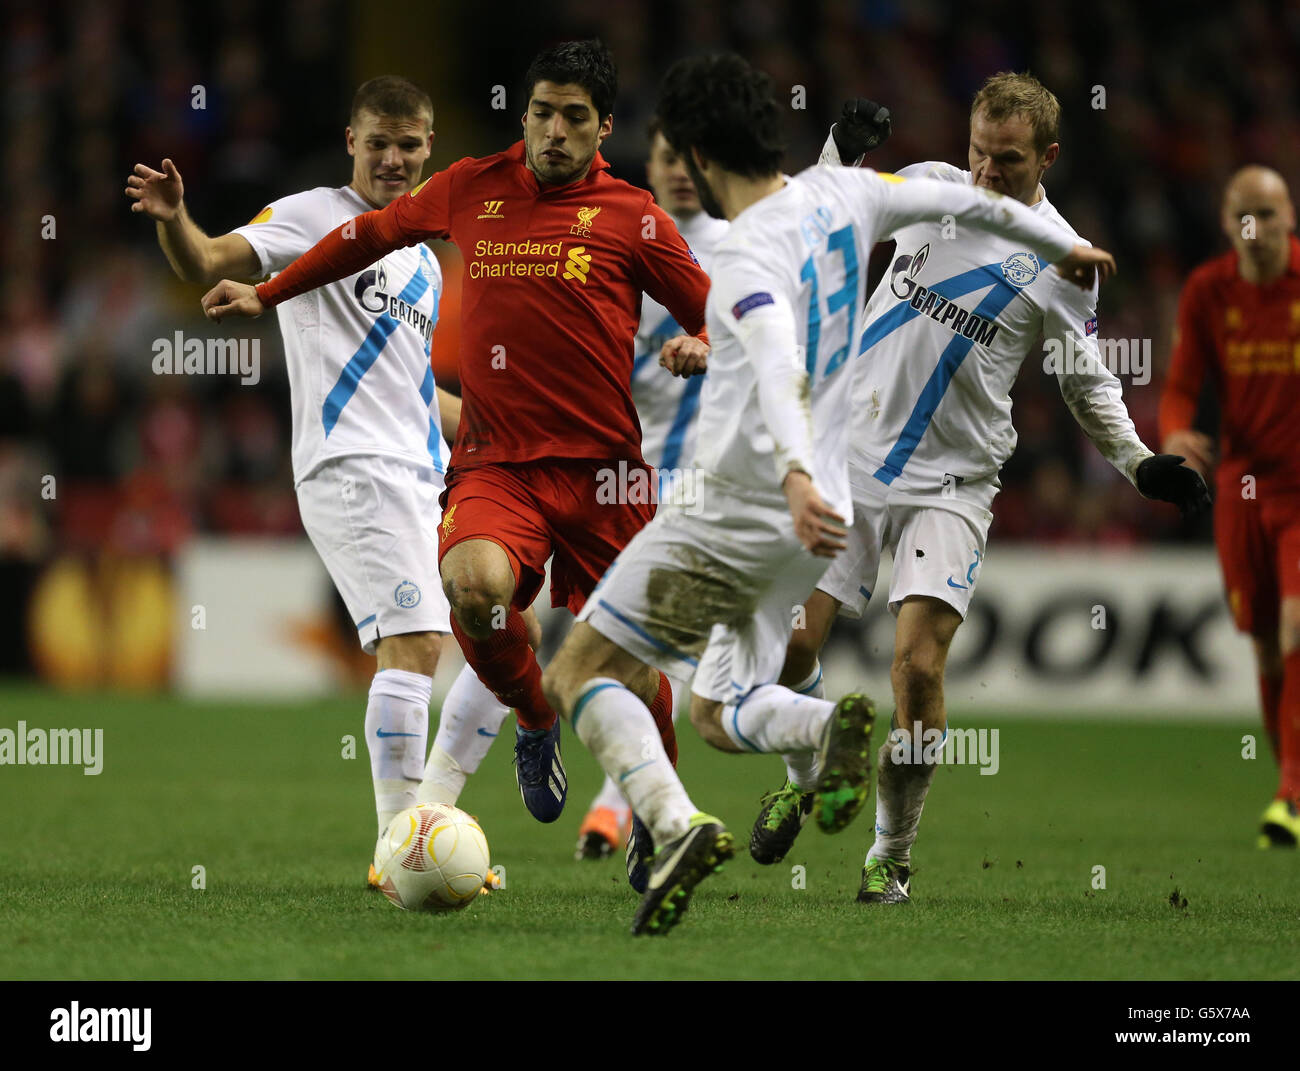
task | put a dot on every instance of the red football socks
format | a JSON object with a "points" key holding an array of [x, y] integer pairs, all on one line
{"points": [[662, 712], [507, 665]]}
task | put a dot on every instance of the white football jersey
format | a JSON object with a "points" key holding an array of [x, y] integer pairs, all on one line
{"points": [[785, 313], [357, 350], [668, 405], [946, 331]]}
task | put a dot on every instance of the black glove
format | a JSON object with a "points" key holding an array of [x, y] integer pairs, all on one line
{"points": [[1164, 476], [863, 126]]}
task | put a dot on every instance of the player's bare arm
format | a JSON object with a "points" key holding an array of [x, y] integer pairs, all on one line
{"points": [[194, 256]]}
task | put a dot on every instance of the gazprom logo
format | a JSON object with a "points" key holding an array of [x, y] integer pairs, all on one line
{"points": [[371, 289], [1021, 269]]}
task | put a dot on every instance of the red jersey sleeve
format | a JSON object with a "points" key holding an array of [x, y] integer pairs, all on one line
{"points": [[1189, 363], [423, 213], [666, 269]]}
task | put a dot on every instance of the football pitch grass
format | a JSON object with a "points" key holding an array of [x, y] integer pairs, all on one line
{"points": [[98, 873]]}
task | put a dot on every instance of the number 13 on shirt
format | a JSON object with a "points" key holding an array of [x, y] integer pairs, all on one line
{"points": [[840, 252]]}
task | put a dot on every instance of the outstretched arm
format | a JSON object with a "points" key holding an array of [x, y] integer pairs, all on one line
{"points": [[414, 217], [195, 257], [900, 202], [863, 125], [1093, 394]]}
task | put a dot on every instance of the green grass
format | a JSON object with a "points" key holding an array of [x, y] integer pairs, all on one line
{"points": [[95, 872]]}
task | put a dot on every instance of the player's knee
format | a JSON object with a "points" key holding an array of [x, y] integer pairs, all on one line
{"points": [[414, 652], [481, 605]]}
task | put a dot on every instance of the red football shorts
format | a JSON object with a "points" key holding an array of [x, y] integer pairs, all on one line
{"points": [[1259, 551], [545, 509]]}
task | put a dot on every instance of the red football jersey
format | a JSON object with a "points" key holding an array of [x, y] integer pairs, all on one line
{"points": [[1247, 337], [551, 299]]}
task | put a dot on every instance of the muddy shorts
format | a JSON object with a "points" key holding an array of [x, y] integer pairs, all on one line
{"points": [[713, 589]]}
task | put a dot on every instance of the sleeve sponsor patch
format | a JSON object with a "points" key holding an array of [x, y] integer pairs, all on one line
{"points": [[261, 217], [754, 301], [1090, 328]]}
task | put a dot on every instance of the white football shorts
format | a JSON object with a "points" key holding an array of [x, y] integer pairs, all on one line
{"points": [[937, 542], [374, 522], [727, 575]]}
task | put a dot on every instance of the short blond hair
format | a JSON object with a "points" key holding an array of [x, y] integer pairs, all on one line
{"points": [[1006, 94]]}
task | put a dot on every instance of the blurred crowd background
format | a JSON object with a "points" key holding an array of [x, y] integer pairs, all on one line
{"points": [[141, 463]]}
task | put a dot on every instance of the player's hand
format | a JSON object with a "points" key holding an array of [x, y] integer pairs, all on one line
{"points": [[1196, 446], [232, 299], [685, 356], [1165, 477], [156, 193], [1085, 261], [819, 528], [863, 125]]}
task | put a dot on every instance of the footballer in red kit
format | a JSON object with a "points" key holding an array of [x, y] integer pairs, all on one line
{"points": [[557, 254], [1239, 327]]}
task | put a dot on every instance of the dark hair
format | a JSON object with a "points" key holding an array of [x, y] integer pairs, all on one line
{"points": [[392, 96], [723, 107], [583, 63]]}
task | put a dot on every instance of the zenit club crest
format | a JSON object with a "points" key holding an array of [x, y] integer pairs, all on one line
{"points": [[1021, 269]]}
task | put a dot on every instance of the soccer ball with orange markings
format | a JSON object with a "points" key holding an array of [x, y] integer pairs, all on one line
{"points": [[432, 857]]}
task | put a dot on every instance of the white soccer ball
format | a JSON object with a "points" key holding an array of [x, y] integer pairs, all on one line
{"points": [[432, 857]]}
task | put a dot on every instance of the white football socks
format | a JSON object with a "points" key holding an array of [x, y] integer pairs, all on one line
{"points": [[397, 726], [901, 788], [775, 719], [609, 796], [619, 731], [469, 721], [801, 768]]}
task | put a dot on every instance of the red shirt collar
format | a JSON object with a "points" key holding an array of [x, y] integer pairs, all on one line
{"points": [[516, 153]]}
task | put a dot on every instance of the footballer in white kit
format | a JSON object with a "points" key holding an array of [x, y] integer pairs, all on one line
{"points": [[368, 451], [369, 455], [668, 408], [945, 334], [708, 587]]}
